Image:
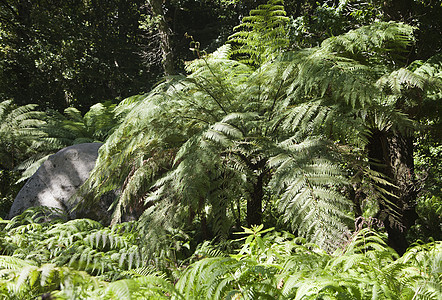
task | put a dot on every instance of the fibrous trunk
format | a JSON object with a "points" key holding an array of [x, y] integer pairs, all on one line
{"points": [[254, 203], [391, 153]]}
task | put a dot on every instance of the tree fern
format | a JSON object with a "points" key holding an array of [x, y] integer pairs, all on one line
{"points": [[320, 86], [193, 144], [165, 142], [218, 126]]}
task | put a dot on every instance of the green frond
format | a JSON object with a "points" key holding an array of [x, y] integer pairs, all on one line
{"points": [[399, 80], [380, 38], [309, 200], [19, 128], [4, 107], [306, 117], [329, 77], [200, 280], [261, 35], [13, 263], [367, 240], [145, 287], [127, 105], [34, 215], [143, 271], [30, 167], [30, 280]]}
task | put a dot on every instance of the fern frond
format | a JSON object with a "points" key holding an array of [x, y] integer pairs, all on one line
{"points": [[308, 200], [145, 287], [13, 263], [261, 35], [379, 37], [31, 166]]}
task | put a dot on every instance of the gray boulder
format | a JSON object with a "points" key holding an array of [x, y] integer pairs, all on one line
{"points": [[57, 180]]}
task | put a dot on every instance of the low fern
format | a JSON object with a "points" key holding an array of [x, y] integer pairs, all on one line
{"points": [[81, 244], [263, 265], [365, 269], [145, 287]]}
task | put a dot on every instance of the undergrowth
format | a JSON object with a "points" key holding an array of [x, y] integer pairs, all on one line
{"points": [[81, 259]]}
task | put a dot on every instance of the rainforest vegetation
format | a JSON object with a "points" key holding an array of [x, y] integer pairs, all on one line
{"points": [[267, 149]]}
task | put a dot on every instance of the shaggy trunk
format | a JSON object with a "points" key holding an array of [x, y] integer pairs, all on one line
{"points": [[164, 34], [254, 203], [392, 154]]}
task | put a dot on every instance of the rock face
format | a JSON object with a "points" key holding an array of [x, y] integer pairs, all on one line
{"points": [[57, 180]]}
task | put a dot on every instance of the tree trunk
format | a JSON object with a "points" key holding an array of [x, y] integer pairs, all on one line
{"points": [[254, 203], [392, 154], [164, 33]]}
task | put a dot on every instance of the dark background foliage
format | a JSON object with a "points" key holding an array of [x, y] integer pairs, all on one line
{"points": [[78, 53]]}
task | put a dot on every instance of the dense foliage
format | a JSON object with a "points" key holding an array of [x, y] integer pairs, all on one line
{"points": [[81, 259], [319, 119], [275, 133]]}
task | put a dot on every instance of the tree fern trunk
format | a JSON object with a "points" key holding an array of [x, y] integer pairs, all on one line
{"points": [[392, 155], [254, 203]]}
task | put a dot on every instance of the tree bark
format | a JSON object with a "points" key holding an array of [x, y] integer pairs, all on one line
{"points": [[164, 33], [254, 203], [391, 153]]}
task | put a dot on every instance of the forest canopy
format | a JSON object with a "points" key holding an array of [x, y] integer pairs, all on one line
{"points": [[269, 149]]}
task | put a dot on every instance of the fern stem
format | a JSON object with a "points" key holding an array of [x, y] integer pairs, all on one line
{"points": [[212, 96]]}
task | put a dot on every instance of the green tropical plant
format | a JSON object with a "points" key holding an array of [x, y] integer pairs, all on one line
{"points": [[196, 144], [321, 137], [24, 279], [351, 89], [82, 244], [209, 138], [427, 156], [288, 268]]}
